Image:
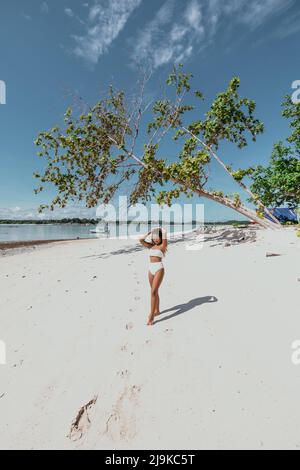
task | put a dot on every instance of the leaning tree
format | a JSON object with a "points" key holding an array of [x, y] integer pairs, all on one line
{"points": [[96, 153]]}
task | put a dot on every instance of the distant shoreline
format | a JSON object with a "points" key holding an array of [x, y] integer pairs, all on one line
{"points": [[10, 245], [70, 222]]}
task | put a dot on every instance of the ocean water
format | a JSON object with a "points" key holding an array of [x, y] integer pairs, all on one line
{"points": [[43, 232], [11, 233]]}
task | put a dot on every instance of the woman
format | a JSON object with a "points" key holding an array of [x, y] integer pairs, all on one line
{"points": [[157, 249]]}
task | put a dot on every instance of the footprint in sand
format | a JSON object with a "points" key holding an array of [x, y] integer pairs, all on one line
{"points": [[124, 373], [129, 326], [168, 330], [126, 348], [20, 363], [121, 423], [82, 422]]}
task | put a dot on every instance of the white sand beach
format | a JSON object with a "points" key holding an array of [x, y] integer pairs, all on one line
{"points": [[84, 371]]}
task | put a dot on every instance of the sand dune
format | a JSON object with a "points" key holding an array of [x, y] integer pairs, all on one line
{"points": [[84, 372]]}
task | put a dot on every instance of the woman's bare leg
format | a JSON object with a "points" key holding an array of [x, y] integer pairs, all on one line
{"points": [[157, 312], [151, 277], [157, 280]]}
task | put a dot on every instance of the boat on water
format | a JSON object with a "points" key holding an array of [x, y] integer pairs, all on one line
{"points": [[102, 228]]}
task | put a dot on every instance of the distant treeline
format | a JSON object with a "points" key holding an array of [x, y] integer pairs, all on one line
{"points": [[95, 222], [48, 222]]}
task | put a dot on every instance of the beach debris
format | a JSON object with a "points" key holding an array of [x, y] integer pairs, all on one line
{"points": [[129, 326], [82, 421], [228, 236], [272, 255], [2, 395]]}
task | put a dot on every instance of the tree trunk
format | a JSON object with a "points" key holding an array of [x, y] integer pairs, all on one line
{"points": [[240, 183], [245, 211]]}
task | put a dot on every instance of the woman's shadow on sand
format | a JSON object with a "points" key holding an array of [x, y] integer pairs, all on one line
{"points": [[183, 308]]}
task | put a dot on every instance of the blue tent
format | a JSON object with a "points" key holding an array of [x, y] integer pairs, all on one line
{"points": [[284, 214]]}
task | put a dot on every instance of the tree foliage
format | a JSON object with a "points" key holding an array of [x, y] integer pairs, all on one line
{"points": [[278, 183], [95, 154]]}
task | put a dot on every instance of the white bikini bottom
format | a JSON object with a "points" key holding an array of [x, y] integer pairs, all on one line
{"points": [[155, 267]]}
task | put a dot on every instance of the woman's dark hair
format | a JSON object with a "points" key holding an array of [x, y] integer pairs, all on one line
{"points": [[157, 231], [160, 234]]}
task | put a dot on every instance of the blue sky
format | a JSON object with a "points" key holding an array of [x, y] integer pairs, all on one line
{"points": [[52, 51]]}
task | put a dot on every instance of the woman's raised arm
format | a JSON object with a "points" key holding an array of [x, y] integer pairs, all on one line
{"points": [[143, 242], [164, 244]]}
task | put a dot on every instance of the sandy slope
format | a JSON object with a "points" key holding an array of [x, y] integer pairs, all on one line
{"points": [[214, 372]]}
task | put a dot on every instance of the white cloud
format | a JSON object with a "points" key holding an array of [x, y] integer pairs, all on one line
{"points": [[106, 20], [168, 39], [252, 13], [175, 33], [193, 16], [69, 12], [27, 17], [289, 26], [45, 7]]}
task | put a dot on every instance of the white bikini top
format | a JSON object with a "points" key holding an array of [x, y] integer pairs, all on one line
{"points": [[157, 253]]}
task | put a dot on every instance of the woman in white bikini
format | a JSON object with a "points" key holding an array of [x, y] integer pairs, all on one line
{"points": [[157, 250]]}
